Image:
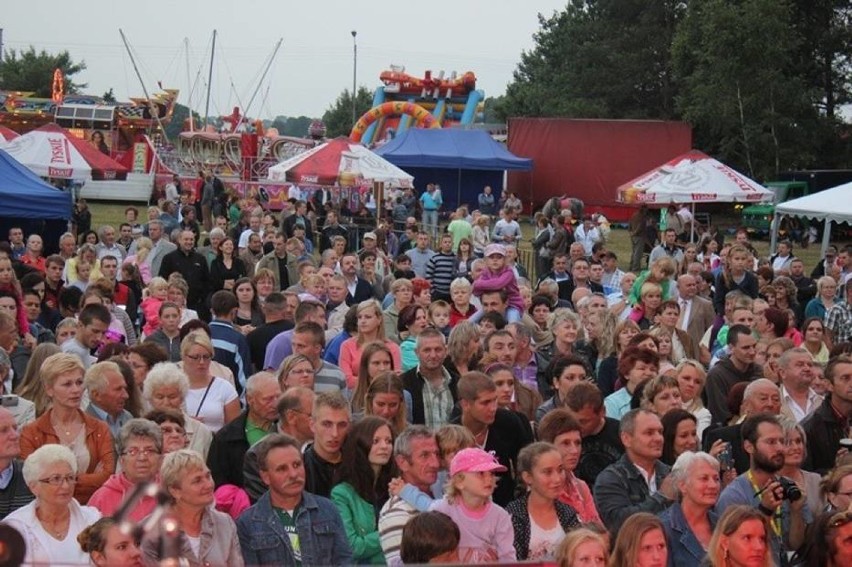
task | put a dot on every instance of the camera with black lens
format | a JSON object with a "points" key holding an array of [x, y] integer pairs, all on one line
{"points": [[791, 490]]}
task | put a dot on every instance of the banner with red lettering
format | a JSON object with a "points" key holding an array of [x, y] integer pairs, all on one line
{"points": [[693, 177]]}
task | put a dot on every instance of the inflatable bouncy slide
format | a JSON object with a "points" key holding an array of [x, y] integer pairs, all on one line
{"points": [[406, 101]]}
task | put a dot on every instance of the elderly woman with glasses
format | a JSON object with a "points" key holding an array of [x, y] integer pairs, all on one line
{"points": [[140, 446], [205, 536], [211, 400], [88, 438], [50, 523], [166, 388]]}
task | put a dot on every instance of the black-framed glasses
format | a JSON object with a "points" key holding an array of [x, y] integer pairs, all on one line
{"points": [[199, 357], [59, 479]]}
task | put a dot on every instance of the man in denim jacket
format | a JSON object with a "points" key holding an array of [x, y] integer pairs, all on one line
{"points": [[288, 526]]}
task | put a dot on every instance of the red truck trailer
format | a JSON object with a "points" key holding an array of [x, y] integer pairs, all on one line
{"points": [[589, 159]]}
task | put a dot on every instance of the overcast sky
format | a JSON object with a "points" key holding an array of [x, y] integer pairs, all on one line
{"points": [[314, 64]]}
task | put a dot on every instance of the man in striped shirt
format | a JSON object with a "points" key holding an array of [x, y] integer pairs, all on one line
{"points": [[441, 269], [417, 457]]}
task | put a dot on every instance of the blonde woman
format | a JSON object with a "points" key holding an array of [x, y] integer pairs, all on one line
{"points": [[481, 235], [691, 376], [65, 424], [143, 248], [31, 387], [205, 535], [371, 328], [210, 399]]}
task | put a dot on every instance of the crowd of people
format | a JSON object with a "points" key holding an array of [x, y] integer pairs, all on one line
{"points": [[251, 388]]}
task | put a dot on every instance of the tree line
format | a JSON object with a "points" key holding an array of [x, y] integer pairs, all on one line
{"points": [[761, 81]]}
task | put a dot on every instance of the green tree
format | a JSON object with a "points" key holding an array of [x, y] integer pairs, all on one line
{"points": [[179, 116], [279, 123], [598, 58], [33, 72], [738, 86], [338, 117], [109, 96], [296, 127]]}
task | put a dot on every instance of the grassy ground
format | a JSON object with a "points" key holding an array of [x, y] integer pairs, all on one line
{"points": [[619, 242]]}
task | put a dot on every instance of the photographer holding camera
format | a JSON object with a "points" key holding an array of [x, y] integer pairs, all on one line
{"points": [[777, 497]]}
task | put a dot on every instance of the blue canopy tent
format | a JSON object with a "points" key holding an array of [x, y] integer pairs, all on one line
{"points": [[462, 162], [30, 203]]}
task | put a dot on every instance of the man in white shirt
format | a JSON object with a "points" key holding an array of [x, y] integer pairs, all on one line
{"points": [[254, 228], [507, 230], [796, 370], [587, 234]]}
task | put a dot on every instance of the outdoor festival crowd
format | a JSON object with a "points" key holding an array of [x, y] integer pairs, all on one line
{"points": [[247, 387]]}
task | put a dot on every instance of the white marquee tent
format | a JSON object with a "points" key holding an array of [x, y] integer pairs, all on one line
{"points": [[832, 206]]}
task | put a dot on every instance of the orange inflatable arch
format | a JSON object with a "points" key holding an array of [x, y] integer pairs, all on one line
{"points": [[422, 117]]}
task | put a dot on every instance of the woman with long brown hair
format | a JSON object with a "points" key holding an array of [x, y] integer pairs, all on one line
{"points": [[376, 359], [386, 399]]}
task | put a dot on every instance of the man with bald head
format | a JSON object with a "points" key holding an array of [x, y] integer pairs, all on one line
{"points": [[696, 313], [193, 267], [760, 396]]}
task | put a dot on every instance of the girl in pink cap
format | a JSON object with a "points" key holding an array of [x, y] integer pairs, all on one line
{"points": [[486, 529]]}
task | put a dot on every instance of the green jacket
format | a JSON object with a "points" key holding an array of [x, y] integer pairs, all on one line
{"points": [[359, 521]]}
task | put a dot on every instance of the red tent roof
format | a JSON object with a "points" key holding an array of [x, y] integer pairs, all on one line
{"points": [[7, 134], [103, 166]]}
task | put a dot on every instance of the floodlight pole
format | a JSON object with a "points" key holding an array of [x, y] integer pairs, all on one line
{"points": [[354, 76]]}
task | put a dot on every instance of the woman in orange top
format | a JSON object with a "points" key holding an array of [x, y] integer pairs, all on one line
{"points": [[65, 424]]}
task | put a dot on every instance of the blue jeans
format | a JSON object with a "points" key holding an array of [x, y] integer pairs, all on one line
{"points": [[430, 221]]}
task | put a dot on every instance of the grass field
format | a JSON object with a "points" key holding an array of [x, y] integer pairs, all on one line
{"points": [[619, 241]]}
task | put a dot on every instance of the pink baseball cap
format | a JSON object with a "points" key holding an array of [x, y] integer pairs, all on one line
{"points": [[495, 249], [475, 460]]}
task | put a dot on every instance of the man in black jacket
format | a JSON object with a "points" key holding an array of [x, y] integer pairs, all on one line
{"points": [[639, 481], [358, 288], [830, 421], [494, 429], [432, 387], [229, 446], [193, 267]]}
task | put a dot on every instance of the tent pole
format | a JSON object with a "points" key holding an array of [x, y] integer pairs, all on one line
{"points": [[692, 226], [773, 233], [826, 238], [458, 191]]}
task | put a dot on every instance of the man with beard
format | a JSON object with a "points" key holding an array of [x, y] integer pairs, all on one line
{"points": [[638, 481], [761, 487]]}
